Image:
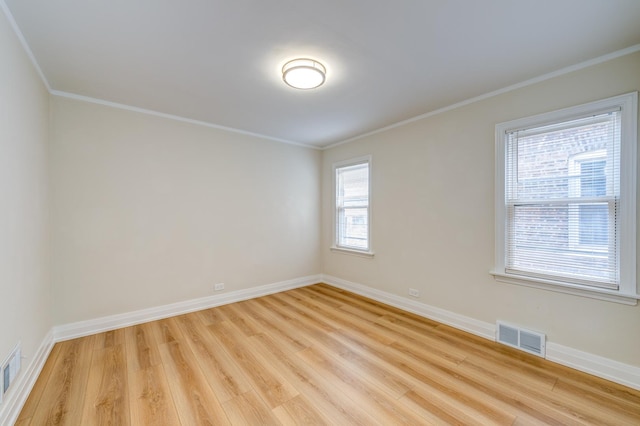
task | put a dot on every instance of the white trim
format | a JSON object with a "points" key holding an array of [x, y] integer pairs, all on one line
{"points": [[628, 192], [23, 42], [624, 374], [591, 62], [21, 388], [576, 67], [360, 253], [112, 322], [174, 117], [365, 159], [567, 288], [586, 64], [606, 368], [461, 322], [17, 395], [627, 104]]}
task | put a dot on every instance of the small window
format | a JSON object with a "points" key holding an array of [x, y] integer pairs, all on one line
{"points": [[566, 198], [352, 210]]}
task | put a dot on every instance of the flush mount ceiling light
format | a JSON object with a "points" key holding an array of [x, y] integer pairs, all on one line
{"points": [[304, 73]]}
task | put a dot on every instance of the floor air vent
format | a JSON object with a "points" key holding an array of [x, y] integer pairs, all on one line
{"points": [[526, 340]]}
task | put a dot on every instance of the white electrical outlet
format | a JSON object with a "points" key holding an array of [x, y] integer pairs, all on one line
{"points": [[218, 287], [414, 292]]}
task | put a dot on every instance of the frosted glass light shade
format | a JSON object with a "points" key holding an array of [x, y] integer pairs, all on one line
{"points": [[303, 73]]}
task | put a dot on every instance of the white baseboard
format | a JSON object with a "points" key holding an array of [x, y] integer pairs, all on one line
{"points": [[112, 322], [17, 396], [606, 368], [473, 326], [18, 393], [624, 374], [14, 400]]}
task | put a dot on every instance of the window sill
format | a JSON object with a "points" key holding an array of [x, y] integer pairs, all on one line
{"points": [[577, 290], [367, 254]]}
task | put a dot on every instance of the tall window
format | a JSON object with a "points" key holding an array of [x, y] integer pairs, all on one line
{"points": [[352, 214], [565, 197]]}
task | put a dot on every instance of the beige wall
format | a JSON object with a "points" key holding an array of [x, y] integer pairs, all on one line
{"points": [[25, 296], [149, 211], [433, 216]]}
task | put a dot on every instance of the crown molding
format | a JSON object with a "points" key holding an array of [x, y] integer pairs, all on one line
{"points": [[23, 42], [535, 80], [117, 105], [562, 71]]}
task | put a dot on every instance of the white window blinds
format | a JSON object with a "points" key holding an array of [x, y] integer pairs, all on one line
{"points": [[562, 191], [352, 206]]}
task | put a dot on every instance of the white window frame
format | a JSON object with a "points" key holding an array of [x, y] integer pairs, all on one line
{"points": [[627, 290], [336, 247]]}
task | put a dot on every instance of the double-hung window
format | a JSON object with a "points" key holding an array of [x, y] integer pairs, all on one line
{"points": [[566, 200], [352, 206]]}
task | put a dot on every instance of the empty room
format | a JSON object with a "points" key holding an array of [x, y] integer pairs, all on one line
{"points": [[340, 212]]}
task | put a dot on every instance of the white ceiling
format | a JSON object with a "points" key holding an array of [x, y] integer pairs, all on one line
{"points": [[219, 61]]}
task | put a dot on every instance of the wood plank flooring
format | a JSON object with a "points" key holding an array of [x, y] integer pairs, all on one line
{"points": [[314, 355]]}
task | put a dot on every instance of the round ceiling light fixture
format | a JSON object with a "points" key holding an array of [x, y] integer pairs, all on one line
{"points": [[304, 73]]}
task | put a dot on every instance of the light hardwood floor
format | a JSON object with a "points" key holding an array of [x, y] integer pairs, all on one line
{"points": [[314, 355]]}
